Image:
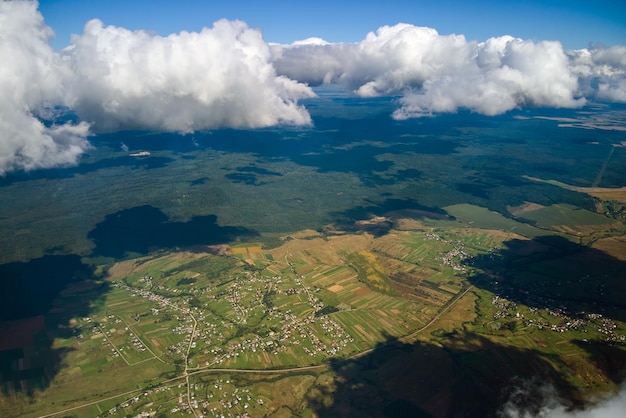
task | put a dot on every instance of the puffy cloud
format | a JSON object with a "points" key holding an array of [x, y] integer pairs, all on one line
{"points": [[437, 73], [601, 71], [113, 78], [611, 407], [404, 56], [614, 56], [219, 77], [31, 78], [505, 74], [313, 63], [395, 58]]}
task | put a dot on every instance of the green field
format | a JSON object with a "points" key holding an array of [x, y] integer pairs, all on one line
{"points": [[201, 331]]}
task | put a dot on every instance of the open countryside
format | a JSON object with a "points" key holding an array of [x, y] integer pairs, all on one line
{"points": [[246, 331]]}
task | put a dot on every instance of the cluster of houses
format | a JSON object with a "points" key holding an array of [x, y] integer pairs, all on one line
{"points": [[207, 339], [105, 328], [136, 402], [219, 398], [204, 345], [455, 257], [306, 332], [583, 323], [222, 399]]}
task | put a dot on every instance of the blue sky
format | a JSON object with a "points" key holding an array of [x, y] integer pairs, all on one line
{"points": [[575, 23]]}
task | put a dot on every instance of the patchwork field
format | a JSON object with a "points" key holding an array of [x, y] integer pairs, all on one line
{"points": [[247, 330]]}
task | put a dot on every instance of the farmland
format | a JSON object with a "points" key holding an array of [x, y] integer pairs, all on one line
{"points": [[222, 331]]}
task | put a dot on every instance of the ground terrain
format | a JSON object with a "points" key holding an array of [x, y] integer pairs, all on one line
{"points": [[328, 322], [444, 266]]}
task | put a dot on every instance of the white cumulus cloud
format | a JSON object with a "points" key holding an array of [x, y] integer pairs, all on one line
{"points": [[501, 74], [31, 79], [601, 71], [218, 77], [442, 73], [113, 78]]}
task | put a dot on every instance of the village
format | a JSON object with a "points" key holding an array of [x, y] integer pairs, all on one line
{"points": [[236, 325], [456, 257], [215, 340], [222, 398], [217, 397], [556, 320]]}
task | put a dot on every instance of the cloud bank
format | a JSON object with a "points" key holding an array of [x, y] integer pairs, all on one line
{"points": [[31, 79], [219, 77], [443, 73], [114, 79], [228, 76]]}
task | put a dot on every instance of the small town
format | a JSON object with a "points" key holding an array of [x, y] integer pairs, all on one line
{"points": [[205, 338]]}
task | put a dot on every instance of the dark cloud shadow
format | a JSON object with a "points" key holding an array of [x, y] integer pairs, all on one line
{"points": [[245, 178], [362, 159], [609, 358], [37, 301], [465, 374], [477, 190], [461, 375], [38, 298], [250, 175], [198, 181], [554, 273], [363, 218], [28, 288], [144, 229], [136, 140], [335, 145], [566, 278], [134, 163]]}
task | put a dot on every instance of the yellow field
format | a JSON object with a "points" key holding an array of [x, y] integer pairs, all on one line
{"points": [[604, 193], [614, 246]]}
